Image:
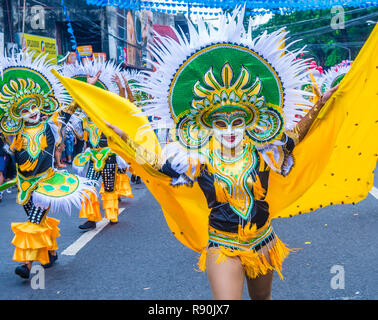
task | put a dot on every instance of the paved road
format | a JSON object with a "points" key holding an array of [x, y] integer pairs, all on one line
{"points": [[140, 259]]}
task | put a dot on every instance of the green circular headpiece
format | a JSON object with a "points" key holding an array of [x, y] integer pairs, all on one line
{"points": [[238, 80], [24, 87]]}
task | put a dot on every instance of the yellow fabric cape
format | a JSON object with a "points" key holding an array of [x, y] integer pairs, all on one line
{"points": [[334, 163]]}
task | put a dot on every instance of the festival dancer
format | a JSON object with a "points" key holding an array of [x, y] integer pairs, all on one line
{"points": [[239, 159], [98, 161], [28, 91]]}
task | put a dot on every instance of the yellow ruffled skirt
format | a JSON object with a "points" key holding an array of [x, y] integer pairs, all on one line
{"points": [[34, 241], [123, 187], [110, 200], [243, 244], [90, 208], [110, 204]]}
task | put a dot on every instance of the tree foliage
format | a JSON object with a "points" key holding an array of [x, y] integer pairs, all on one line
{"points": [[328, 46]]}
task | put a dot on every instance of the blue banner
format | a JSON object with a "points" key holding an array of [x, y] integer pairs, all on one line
{"points": [[202, 6]]}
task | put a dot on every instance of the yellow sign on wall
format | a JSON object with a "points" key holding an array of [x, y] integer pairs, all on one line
{"points": [[39, 45]]}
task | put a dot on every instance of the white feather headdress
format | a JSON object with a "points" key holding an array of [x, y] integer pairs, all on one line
{"points": [[170, 56]]}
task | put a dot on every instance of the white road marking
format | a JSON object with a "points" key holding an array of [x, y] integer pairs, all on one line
{"points": [[374, 192], [74, 248]]}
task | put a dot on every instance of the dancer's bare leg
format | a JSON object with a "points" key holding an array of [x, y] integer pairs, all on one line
{"points": [[226, 278], [260, 288]]}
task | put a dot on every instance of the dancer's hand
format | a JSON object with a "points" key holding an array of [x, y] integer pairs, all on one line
{"points": [[328, 94], [93, 80], [117, 130], [117, 80], [125, 80], [304, 125], [130, 95]]}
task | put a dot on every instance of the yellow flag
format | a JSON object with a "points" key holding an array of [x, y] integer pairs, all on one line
{"points": [[334, 164]]}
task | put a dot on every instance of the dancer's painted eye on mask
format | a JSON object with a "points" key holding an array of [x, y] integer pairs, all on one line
{"points": [[237, 123], [220, 124], [25, 112]]}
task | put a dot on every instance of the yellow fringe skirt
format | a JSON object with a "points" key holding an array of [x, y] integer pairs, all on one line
{"points": [[248, 244], [123, 187], [110, 203], [90, 208], [34, 241]]}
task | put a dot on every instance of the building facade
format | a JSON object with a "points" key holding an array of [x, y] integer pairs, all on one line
{"points": [[59, 27]]}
